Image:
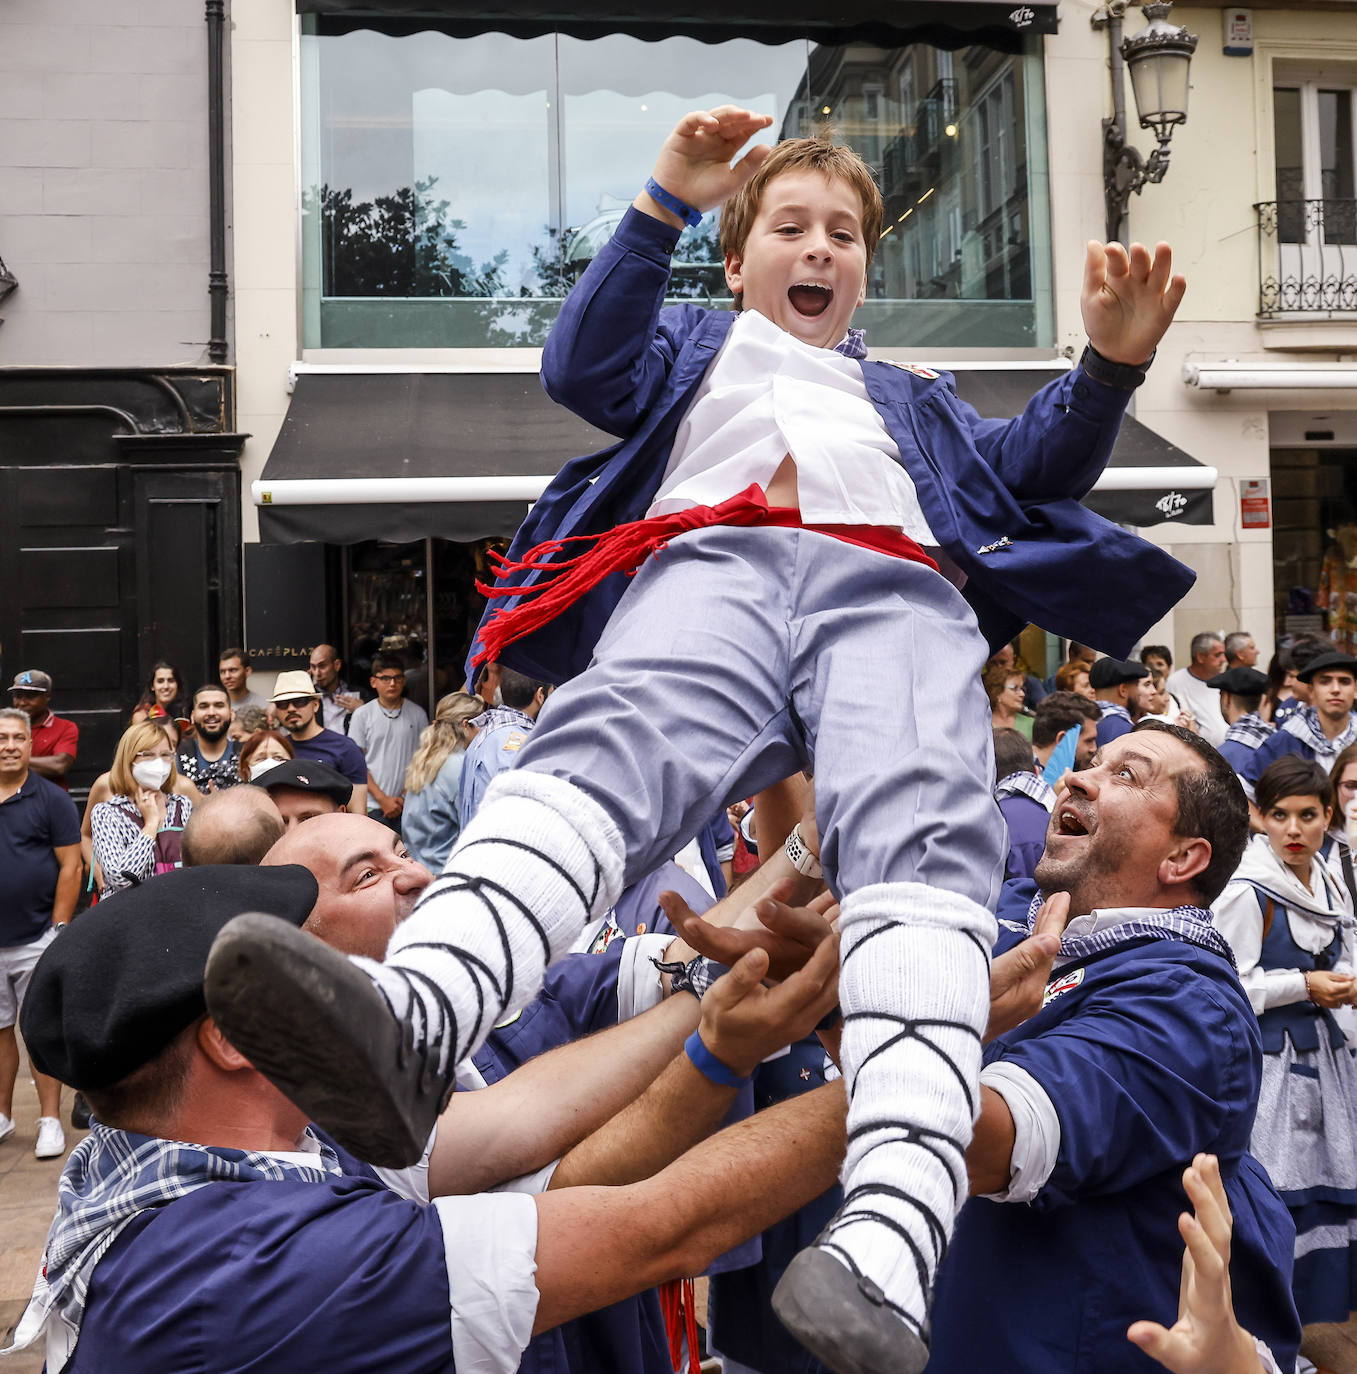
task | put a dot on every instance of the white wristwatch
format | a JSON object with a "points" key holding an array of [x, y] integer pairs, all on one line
{"points": [[802, 859]]}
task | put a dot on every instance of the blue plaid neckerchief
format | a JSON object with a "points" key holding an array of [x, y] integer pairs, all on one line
{"points": [[1028, 785], [1115, 708], [1192, 924], [1304, 724], [1252, 730], [112, 1177], [853, 344]]}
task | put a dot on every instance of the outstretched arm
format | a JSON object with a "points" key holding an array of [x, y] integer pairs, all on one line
{"points": [[609, 352], [598, 1245], [743, 1022], [1206, 1338]]}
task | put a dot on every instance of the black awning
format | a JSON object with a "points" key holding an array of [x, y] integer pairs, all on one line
{"points": [[891, 23], [348, 427], [1140, 455]]}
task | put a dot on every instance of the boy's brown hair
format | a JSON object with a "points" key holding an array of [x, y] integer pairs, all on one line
{"points": [[817, 154]]}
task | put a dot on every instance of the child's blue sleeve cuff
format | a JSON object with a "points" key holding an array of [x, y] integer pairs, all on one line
{"points": [[646, 235]]}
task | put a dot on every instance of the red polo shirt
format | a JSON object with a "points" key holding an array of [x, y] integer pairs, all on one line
{"points": [[55, 736]]}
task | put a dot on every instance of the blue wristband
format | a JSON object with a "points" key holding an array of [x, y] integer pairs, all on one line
{"points": [[709, 1066], [672, 203]]}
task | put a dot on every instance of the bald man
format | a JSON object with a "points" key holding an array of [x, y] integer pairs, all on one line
{"points": [[238, 825], [338, 701]]}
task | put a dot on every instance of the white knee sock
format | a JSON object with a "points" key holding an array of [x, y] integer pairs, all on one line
{"points": [[912, 956], [539, 859]]}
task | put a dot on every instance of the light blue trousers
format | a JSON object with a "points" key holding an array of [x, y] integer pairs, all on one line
{"points": [[738, 656]]}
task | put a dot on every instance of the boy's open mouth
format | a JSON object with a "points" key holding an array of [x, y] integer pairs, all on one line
{"points": [[810, 298]]}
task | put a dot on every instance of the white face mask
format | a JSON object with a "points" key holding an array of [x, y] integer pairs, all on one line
{"points": [[257, 770], [151, 772]]}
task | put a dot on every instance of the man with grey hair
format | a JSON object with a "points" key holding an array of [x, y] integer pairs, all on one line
{"points": [[40, 858], [1240, 650], [237, 826], [1189, 685]]}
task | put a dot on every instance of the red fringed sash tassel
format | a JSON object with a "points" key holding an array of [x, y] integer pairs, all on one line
{"points": [[678, 1303], [625, 547]]}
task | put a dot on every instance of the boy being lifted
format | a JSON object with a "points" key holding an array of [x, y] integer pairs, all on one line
{"points": [[815, 518]]}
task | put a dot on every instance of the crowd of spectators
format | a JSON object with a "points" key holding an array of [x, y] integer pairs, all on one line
{"points": [[175, 795]]}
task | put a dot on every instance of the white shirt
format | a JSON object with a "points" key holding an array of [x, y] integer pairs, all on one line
{"points": [[1202, 701], [767, 395]]}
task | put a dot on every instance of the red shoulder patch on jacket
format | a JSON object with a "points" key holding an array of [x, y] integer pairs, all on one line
{"points": [[918, 369]]}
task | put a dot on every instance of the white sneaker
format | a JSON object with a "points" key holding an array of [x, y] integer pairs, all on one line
{"points": [[6, 1127], [51, 1138]]}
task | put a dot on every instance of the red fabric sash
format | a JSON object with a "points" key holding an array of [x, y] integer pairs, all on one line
{"points": [[625, 547]]}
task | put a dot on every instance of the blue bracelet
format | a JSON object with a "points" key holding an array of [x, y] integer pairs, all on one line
{"points": [[672, 203], [709, 1066]]}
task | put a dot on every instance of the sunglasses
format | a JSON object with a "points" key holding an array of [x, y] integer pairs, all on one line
{"points": [[291, 702]]}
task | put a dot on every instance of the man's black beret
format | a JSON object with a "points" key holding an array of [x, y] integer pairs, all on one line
{"points": [[1240, 682], [1108, 672], [306, 775], [115, 988], [1328, 663]]}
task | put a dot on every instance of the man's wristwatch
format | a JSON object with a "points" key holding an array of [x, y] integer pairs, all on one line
{"points": [[1119, 376], [802, 859]]}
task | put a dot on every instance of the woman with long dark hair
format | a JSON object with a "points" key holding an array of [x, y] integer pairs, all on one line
{"points": [[1290, 924]]}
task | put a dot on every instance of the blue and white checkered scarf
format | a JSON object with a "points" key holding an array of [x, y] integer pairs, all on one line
{"points": [[1251, 729], [1191, 924], [1306, 728], [114, 1176], [1115, 708], [853, 344], [1029, 785]]}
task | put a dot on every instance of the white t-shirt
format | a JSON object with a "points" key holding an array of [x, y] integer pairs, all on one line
{"points": [[1202, 701], [766, 395], [389, 743]]}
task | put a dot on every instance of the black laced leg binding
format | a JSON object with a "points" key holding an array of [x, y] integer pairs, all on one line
{"points": [[370, 1050], [858, 1298]]}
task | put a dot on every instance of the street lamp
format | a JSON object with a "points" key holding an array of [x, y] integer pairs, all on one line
{"points": [[1159, 57]]}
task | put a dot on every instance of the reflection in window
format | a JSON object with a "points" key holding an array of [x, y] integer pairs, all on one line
{"points": [[455, 188]]}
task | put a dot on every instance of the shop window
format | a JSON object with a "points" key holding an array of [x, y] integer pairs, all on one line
{"points": [[455, 187]]}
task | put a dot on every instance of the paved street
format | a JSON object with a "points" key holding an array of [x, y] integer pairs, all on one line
{"points": [[28, 1190]]}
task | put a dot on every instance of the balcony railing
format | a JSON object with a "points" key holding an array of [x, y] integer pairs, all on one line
{"points": [[1307, 252]]}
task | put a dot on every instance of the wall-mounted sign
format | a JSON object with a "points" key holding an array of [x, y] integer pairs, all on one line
{"points": [[1255, 512]]}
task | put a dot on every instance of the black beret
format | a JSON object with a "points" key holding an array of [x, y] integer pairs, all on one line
{"points": [[1240, 682], [114, 989], [1328, 663], [1108, 672], [306, 775]]}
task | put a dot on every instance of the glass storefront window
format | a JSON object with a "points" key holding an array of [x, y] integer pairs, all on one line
{"points": [[455, 188]]}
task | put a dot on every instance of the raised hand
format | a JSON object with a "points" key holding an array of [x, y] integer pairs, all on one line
{"points": [[789, 935], [1019, 976], [743, 1022], [694, 161], [1206, 1338], [1129, 299]]}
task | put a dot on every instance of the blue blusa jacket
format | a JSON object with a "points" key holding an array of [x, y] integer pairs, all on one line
{"points": [[1001, 496]]}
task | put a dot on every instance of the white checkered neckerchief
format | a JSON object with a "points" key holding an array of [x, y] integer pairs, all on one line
{"points": [[495, 716], [1115, 708], [1306, 728], [1191, 924], [113, 1176], [1251, 729], [1028, 785]]}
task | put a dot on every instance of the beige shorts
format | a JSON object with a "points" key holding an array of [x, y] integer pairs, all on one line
{"points": [[17, 963]]}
